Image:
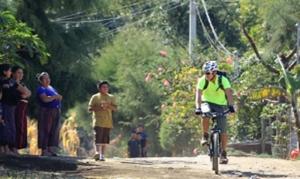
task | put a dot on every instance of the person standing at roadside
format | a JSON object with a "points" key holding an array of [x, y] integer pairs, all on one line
{"points": [[10, 91], [143, 139], [21, 109], [49, 115], [134, 145]]}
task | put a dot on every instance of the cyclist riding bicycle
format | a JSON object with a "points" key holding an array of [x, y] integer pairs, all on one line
{"points": [[219, 98]]}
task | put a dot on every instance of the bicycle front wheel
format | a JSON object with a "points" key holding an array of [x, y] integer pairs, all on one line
{"points": [[216, 149]]}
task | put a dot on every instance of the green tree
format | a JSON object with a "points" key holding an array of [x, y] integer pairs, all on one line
{"points": [[135, 68], [71, 43], [17, 41], [178, 119]]}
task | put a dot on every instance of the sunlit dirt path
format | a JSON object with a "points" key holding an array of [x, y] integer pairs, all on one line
{"points": [[148, 168]]}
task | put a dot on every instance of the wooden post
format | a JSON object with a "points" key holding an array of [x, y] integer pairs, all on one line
{"points": [[263, 136]]}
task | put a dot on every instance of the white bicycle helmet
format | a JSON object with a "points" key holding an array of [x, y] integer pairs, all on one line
{"points": [[210, 66]]}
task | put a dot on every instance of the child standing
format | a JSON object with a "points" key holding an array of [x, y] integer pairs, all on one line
{"points": [[134, 145], [143, 139]]}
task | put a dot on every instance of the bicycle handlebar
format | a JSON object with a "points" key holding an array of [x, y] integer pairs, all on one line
{"points": [[215, 114]]}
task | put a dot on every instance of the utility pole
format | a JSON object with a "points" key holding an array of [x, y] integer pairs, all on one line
{"points": [[192, 31], [298, 43]]}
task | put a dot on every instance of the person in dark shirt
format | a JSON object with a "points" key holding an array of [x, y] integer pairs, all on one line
{"points": [[10, 91], [3, 143], [134, 145], [21, 109], [143, 140]]}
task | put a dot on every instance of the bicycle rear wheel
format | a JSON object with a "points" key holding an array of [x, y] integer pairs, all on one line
{"points": [[215, 156]]}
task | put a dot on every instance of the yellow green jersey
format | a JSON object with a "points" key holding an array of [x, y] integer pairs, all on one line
{"points": [[213, 93]]}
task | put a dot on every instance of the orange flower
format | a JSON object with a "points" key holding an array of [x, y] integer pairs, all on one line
{"points": [[229, 60], [166, 83], [163, 53]]}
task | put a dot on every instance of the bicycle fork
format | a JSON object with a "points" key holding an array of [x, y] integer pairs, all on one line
{"points": [[211, 144]]}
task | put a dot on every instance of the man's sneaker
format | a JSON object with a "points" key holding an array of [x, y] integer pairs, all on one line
{"points": [[204, 140], [223, 159], [96, 156]]}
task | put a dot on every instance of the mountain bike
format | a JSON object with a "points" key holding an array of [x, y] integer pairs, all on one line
{"points": [[214, 147]]}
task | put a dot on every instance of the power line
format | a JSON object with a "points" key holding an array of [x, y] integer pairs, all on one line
{"points": [[106, 19], [213, 30], [171, 8], [113, 19], [69, 16], [207, 36], [237, 70], [110, 32], [82, 13]]}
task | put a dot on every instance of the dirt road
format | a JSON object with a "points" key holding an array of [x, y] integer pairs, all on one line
{"points": [[148, 168], [189, 168]]}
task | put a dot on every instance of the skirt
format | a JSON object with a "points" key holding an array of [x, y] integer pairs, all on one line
{"points": [[48, 127], [9, 129], [21, 124]]}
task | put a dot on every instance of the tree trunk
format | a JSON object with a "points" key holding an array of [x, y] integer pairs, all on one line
{"points": [[263, 136], [296, 115]]}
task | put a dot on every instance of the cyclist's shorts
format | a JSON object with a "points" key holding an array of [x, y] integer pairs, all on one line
{"points": [[221, 121]]}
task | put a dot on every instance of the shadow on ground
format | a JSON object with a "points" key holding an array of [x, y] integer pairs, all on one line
{"points": [[40, 163], [237, 173]]}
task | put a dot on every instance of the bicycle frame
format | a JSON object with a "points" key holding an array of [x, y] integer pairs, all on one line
{"points": [[215, 140], [215, 145]]}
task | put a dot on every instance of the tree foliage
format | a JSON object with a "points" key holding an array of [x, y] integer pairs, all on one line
{"points": [[141, 48], [178, 119], [71, 46], [18, 44], [136, 70]]}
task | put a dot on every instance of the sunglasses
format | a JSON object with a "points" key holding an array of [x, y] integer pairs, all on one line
{"points": [[208, 73]]}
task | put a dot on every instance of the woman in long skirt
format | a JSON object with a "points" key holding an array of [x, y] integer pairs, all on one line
{"points": [[10, 91], [49, 116], [21, 109]]}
